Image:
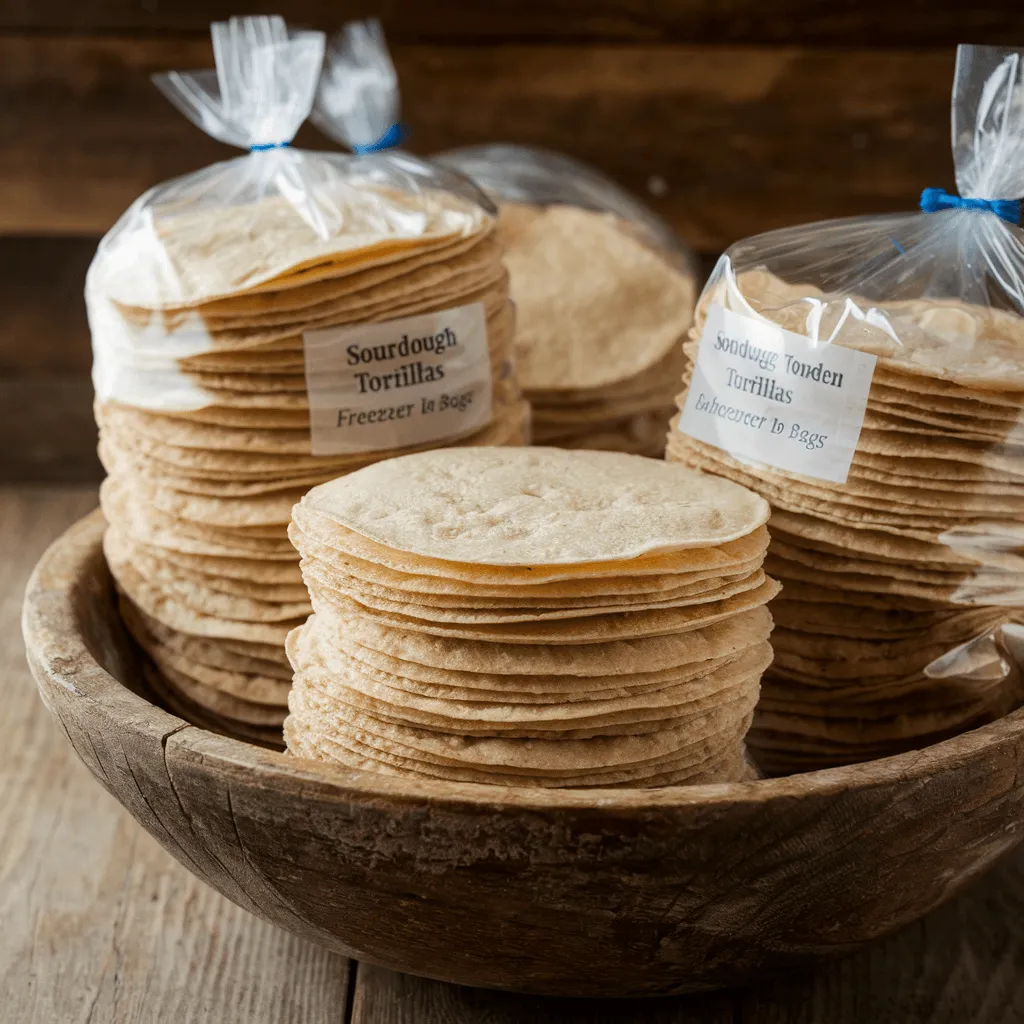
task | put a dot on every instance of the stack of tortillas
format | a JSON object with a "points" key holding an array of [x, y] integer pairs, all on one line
{"points": [[204, 394], [901, 585], [601, 316], [530, 617]]}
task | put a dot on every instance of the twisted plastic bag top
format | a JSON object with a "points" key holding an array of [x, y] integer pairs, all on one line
{"points": [[240, 223], [540, 177], [937, 293], [261, 89], [358, 102], [988, 123], [357, 105]]}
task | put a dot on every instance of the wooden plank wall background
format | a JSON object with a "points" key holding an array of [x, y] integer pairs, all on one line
{"points": [[729, 116]]}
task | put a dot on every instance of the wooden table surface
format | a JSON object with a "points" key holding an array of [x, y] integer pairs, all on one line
{"points": [[98, 924]]}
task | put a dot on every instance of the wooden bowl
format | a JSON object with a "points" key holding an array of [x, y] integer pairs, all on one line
{"points": [[623, 893]]}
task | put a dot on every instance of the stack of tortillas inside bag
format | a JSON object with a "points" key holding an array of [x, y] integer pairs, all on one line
{"points": [[902, 585], [205, 388], [532, 616], [602, 312]]}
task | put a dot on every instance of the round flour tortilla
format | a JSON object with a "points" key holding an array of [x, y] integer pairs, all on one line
{"points": [[537, 506]]}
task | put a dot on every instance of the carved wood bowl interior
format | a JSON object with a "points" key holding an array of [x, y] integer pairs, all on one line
{"points": [[626, 893]]}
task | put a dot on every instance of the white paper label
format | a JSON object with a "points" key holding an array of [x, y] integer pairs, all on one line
{"points": [[767, 395], [401, 382]]}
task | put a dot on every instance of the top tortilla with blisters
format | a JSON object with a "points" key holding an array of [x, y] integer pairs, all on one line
{"points": [[537, 506]]}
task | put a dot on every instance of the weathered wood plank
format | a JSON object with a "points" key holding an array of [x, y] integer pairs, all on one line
{"points": [[44, 331], [100, 924], [47, 431], [46, 423], [871, 23], [92, 130], [726, 141]]}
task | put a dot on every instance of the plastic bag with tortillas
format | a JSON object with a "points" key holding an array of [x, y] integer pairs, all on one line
{"points": [[604, 290], [276, 220], [866, 376]]}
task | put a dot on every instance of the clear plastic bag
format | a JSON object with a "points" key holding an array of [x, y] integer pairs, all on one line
{"points": [[604, 289], [357, 106], [262, 326], [267, 219], [867, 376], [540, 177], [358, 101]]}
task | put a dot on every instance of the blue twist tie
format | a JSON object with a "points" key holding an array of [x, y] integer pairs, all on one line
{"points": [[935, 199], [263, 146], [394, 136]]}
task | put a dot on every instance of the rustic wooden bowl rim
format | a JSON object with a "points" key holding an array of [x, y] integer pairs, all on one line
{"points": [[56, 644]]}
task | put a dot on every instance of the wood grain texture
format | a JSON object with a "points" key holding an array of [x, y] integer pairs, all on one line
{"points": [[963, 964], [637, 892], [732, 140], [870, 22], [99, 923], [47, 431]]}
